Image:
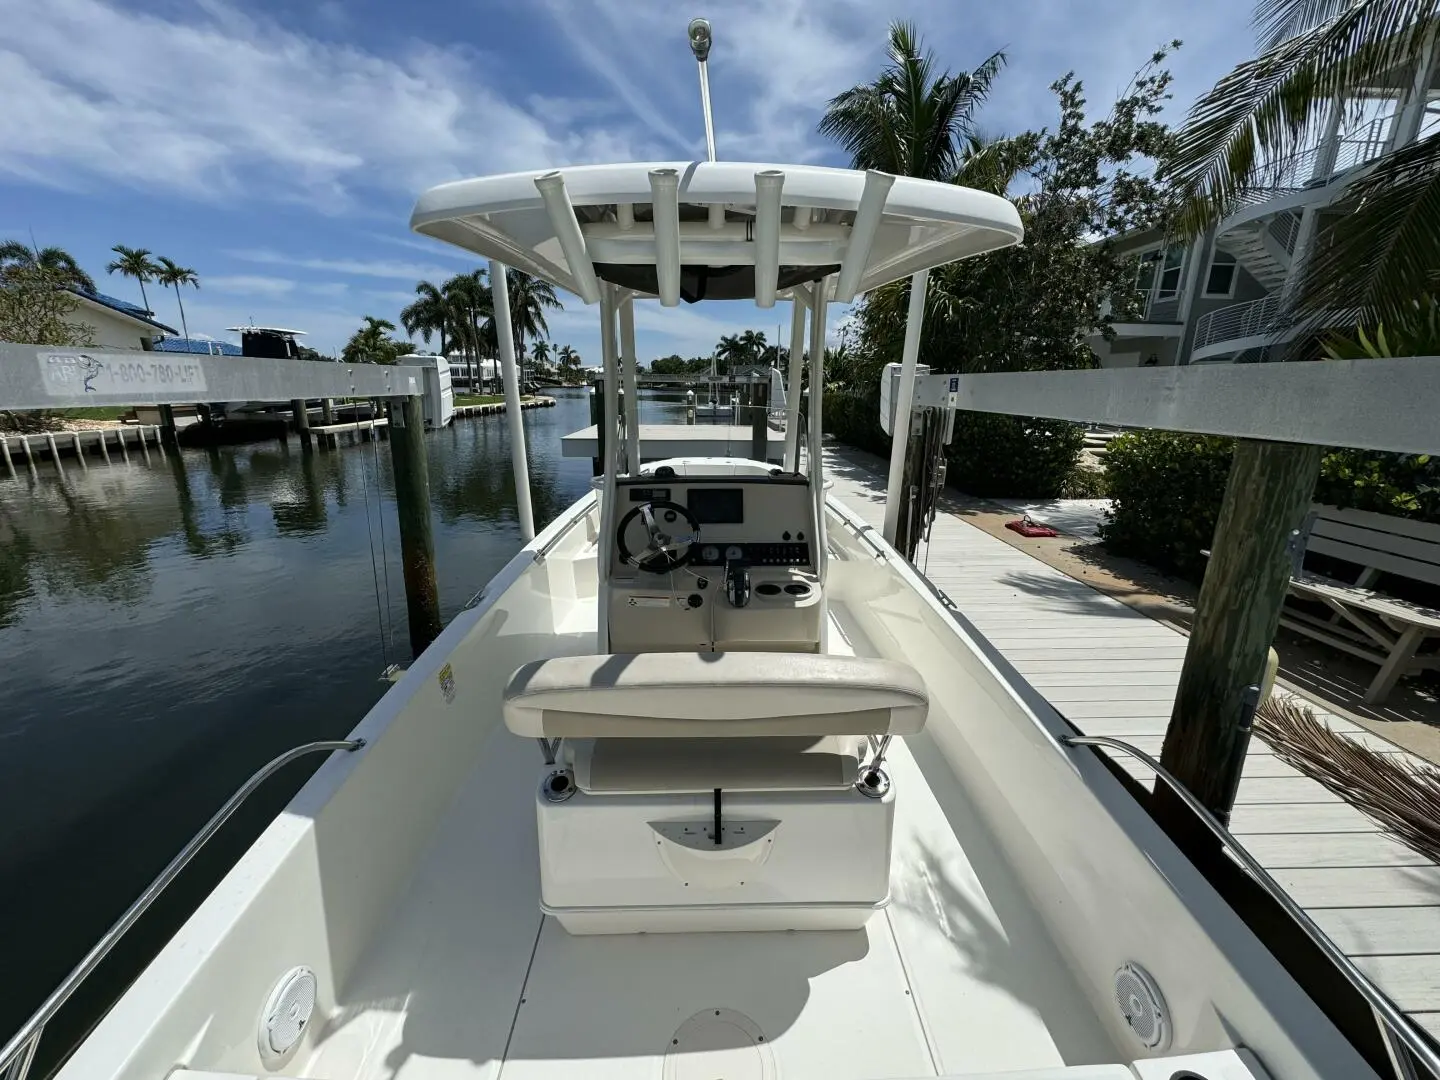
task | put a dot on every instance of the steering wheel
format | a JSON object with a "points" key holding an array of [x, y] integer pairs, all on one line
{"points": [[662, 552]]}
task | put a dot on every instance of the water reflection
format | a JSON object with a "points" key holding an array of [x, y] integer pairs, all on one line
{"points": [[166, 626]]}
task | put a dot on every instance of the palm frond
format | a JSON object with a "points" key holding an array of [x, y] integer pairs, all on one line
{"points": [[1402, 797], [1277, 21], [1384, 251], [1268, 107]]}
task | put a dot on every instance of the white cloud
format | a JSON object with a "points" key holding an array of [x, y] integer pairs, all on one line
{"points": [[381, 268], [260, 285], [243, 105]]}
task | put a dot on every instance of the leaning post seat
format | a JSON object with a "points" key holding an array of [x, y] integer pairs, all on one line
{"points": [[714, 791]]}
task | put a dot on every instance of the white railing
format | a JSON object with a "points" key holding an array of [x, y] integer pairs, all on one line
{"points": [[1250, 319], [1284, 229], [1306, 168]]}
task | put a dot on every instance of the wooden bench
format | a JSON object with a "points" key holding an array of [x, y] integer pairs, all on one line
{"points": [[1365, 622]]}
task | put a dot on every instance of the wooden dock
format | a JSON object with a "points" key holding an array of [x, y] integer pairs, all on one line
{"points": [[1113, 671]]}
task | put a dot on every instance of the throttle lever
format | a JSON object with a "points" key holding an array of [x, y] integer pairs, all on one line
{"points": [[737, 584]]}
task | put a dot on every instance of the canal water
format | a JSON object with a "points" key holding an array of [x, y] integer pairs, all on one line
{"points": [[167, 627]]}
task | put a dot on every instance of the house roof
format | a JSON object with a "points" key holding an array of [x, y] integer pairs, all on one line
{"points": [[197, 345], [121, 307]]}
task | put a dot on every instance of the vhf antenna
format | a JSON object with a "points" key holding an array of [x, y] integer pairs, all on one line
{"points": [[700, 38]]}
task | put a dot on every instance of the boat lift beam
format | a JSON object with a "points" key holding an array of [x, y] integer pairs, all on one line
{"points": [[51, 377], [1368, 404]]}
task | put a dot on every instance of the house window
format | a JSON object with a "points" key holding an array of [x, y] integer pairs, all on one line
{"points": [[1167, 287], [1220, 281]]}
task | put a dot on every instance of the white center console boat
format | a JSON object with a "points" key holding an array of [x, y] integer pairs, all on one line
{"points": [[708, 782]]}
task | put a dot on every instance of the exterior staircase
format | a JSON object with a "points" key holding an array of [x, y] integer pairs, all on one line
{"points": [[1264, 247]]}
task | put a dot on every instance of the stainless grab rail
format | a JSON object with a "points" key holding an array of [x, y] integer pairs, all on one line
{"points": [[1393, 1023], [19, 1053]]}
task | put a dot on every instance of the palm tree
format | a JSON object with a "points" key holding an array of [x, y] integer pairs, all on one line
{"points": [[428, 314], [57, 261], [135, 263], [530, 298], [912, 120], [1380, 255], [468, 306], [569, 363], [371, 344], [731, 351], [174, 275], [541, 352]]}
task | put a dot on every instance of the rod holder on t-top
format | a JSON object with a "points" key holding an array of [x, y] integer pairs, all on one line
{"points": [[700, 39]]}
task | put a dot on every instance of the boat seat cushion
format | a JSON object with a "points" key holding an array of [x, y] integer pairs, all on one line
{"points": [[713, 695]]}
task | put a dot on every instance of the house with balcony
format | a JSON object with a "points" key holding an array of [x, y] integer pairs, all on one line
{"points": [[1222, 297]]}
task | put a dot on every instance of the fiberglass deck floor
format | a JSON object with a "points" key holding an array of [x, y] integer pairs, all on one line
{"points": [[1113, 671], [469, 980]]}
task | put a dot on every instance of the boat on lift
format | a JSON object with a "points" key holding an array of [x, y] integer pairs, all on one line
{"points": [[707, 781]]}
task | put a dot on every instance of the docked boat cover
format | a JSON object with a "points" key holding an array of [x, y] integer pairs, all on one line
{"points": [[713, 695]]}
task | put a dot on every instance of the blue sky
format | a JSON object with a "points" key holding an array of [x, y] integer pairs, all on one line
{"points": [[277, 148]]}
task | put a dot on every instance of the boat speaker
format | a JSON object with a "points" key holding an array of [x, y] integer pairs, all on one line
{"points": [[287, 1014], [1143, 1006]]}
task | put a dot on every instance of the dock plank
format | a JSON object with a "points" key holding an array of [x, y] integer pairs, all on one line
{"points": [[1367, 931]]}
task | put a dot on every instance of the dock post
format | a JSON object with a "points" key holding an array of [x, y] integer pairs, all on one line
{"points": [[1258, 540], [301, 413], [5, 453], [104, 447], [689, 406], [597, 417], [124, 448], [166, 435], [29, 453], [79, 450], [760, 422], [412, 506], [327, 410], [54, 452]]}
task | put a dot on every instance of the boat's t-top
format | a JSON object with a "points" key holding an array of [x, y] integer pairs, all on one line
{"points": [[711, 674]]}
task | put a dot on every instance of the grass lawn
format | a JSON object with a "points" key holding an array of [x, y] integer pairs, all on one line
{"points": [[113, 412], [479, 399]]}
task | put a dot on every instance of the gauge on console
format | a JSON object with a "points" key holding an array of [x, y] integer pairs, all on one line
{"points": [[733, 552], [709, 553]]}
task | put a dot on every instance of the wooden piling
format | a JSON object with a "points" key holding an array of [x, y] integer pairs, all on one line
{"points": [[167, 433], [54, 452], [760, 421], [29, 453], [80, 451], [104, 445], [1258, 540], [124, 448], [5, 454], [597, 417], [144, 446], [412, 504], [301, 414], [327, 410]]}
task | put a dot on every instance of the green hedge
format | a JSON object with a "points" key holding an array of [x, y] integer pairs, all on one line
{"points": [[991, 456], [1167, 489], [1018, 457], [1165, 492]]}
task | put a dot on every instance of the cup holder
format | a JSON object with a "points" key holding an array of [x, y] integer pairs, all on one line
{"points": [[798, 588], [768, 588]]}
